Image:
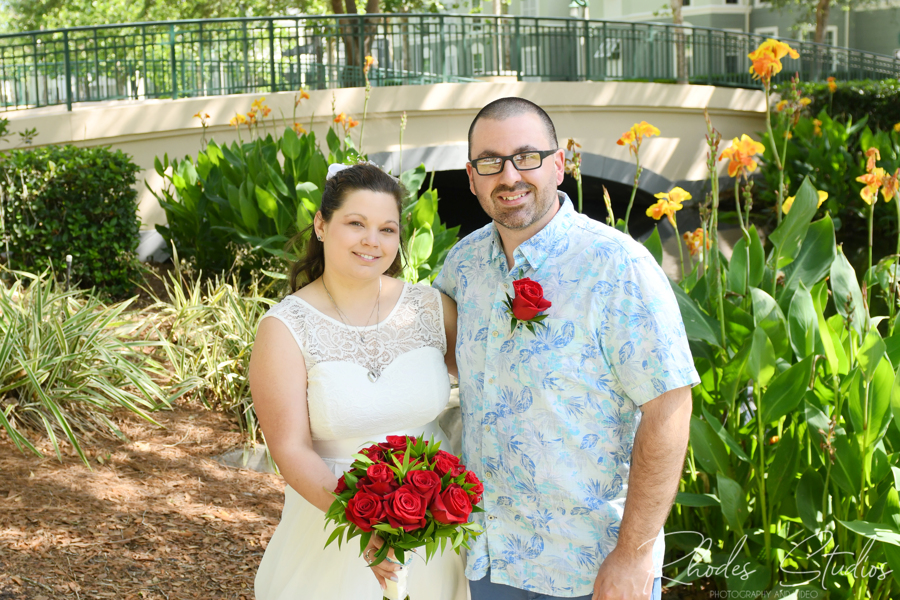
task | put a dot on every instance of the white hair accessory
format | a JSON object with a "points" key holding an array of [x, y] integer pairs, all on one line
{"points": [[334, 169]]}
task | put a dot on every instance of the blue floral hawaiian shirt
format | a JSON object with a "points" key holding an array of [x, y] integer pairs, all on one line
{"points": [[549, 418]]}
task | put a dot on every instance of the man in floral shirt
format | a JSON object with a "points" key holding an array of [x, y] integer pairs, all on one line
{"points": [[578, 428]]}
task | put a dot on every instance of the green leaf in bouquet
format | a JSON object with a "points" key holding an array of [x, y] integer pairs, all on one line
{"points": [[350, 479], [364, 541], [363, 459], [335, 535]]}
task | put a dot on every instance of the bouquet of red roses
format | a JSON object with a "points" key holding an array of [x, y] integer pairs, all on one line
{"points": [[412, 494]]}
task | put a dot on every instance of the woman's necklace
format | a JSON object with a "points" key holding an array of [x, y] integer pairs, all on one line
{"points": [[374, 371]]}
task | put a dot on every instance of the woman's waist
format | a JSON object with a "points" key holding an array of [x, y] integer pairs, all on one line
{"points": [[342, 451]]}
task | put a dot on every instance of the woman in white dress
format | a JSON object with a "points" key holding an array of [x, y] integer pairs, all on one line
{"points": [[352, 356]]}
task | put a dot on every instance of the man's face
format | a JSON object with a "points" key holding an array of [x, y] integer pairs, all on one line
{"points": [[515, 199]]}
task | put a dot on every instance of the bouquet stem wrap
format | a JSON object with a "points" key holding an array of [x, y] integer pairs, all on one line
{"points": [[399, 590]]}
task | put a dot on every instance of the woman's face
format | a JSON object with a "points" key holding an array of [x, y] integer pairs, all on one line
{"points": [[363, 237]]}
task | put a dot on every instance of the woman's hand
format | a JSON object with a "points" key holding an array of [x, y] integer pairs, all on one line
{"points": [[383, 570]]}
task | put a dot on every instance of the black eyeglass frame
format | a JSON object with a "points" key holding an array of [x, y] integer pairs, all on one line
{"points": [[542, 153]]}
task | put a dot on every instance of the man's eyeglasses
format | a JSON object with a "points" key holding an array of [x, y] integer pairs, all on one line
{"points": [[523, 161]]}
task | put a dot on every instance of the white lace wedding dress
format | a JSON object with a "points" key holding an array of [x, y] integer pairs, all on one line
{"points": [[346, 412]]}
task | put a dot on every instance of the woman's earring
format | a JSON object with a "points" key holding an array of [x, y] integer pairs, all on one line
{"points": [[320, 237]]}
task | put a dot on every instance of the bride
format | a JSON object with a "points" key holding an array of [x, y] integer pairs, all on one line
{"points": [[352, 356]]}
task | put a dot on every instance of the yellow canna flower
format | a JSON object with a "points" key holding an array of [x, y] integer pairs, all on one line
{"points": [[817, 127], [299, 97], [298, 128], [788, 135], [789, 201], [767, 59], [351, 123], [897, 127], [781, 106], [341, 119], [265, 110], [805, 101], [369, 62], [832, 86], [873, 181], [197, 115], [238, 120], [258, 103], [668, 204], [634, 136], [872, 155]]}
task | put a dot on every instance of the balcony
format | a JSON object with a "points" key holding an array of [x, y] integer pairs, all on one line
{"points": [[184, 59]]}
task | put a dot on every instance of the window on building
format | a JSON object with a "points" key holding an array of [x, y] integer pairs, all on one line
{"points": [[685, 2], [830, 35], [732, 2], [529, 8]]}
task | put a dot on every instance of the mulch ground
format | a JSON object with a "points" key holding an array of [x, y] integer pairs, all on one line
{"points": [[154, 518]]}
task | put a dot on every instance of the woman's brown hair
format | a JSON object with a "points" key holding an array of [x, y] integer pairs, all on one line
{"points": [[364, 176]]}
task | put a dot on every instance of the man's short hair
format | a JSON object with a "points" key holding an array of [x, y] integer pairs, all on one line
{"points": [[504, 108]]}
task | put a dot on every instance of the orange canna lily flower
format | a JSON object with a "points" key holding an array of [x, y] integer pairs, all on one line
{"points": [[789, 201], [351, 123], [781, 106], [872, 155], [873, 181], [627, 138], [694, 241], [369, 62], [740, 155], [299, 97], [817, 127], [658, 210], [258, 103], [767, 59], [265, 110], [341, 119], [197, 115], [238, 119], [832, 86], [890, 187], [571, 144], [298, 128]]}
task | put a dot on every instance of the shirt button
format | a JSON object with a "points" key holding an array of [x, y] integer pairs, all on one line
{"points": [[491, 517], [505, 286], [495, 333], [487, 427], [488, 475], [491, 380]]}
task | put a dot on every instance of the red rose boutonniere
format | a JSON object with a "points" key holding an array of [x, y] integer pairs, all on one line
{"points": [[527, 303]]}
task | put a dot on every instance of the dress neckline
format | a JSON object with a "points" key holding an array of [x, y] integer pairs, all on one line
{"points": [[357, 327]]}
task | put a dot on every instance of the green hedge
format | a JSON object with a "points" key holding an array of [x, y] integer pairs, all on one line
{"points": [[879, 100], [60, 200]]}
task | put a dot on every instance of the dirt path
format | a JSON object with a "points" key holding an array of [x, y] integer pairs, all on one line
{"points": [[156, 518]]}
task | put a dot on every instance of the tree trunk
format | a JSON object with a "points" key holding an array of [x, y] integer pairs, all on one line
{"points": [[498, 8], [822, 9], [681, 74]]}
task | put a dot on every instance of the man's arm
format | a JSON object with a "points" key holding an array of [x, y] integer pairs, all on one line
{"points": [[657, 461]]}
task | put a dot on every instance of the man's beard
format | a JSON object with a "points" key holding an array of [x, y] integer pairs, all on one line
{"points": [[519, 217]]}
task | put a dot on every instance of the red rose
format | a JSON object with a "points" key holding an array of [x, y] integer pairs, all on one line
{"points": [[425, 483], [375, 452], [452, 506], [529, 300], [445, 462], [379, 488], [405, 508], [341, 485], [476, 491], [397, 443], [365, 510]]}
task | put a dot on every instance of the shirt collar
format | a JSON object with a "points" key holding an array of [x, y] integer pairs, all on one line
{"points": [[535, 249]]}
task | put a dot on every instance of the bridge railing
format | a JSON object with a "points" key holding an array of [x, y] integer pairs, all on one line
{"points": [[180, 59]]}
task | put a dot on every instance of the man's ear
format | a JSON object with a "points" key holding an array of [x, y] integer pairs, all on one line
{"points": [[471, 173], [559, 161]]}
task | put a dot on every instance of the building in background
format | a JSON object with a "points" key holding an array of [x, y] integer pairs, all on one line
{"points": [[873, 28]]}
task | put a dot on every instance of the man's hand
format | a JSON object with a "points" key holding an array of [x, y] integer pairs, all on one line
{"points": [[624, 577]]}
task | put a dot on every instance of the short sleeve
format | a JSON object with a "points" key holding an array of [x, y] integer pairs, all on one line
{"points": [[642, 334], [446, 279]]}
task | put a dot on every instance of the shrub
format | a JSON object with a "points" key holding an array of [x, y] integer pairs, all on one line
{"points": [[60, 200], [853, 100]]}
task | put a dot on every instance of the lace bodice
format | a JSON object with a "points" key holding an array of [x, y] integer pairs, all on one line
{"points": [[407, 351], [415, 322]]}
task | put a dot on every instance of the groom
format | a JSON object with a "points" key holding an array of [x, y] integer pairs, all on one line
{"points": [[579, 429]]}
